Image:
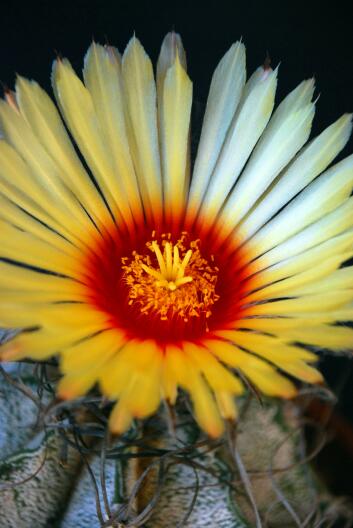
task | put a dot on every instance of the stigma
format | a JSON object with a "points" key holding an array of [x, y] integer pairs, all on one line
{"points": [[171, 279], [171, 273]]}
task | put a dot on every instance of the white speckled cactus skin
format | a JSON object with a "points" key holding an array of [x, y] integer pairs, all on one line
{"points": [[61, 494]]}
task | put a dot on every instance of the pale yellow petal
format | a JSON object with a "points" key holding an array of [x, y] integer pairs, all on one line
{"points": [[43, 117], [341, 246], [46, 175], [309, 303], [225, 93], [247, 127], [342, 279], [103, 79], [285, 134], [140, 100], [174, 133], [277, 324], [171, 47], [271, 348], [321, 197], [310, 162], [288, 286], [329, 226], [26, 222]]}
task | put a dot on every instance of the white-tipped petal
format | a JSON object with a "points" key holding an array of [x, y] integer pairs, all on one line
{"points": [[171, 47], [330, 225], [318, 199], [275, 149], [310, 162], [247, 127], [298, 98], [341, 279], [225, 93], [288, 286], [174, 135], [273, 269]]}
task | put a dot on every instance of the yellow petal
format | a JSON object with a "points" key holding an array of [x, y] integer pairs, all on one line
{"points": [[35, 252], [42, 344], [271, 348], [43, 117], [169, 381], [144, 395], [331, 337], [77, 107], [226, 405], [216, 375], [17, 184], [92, 352], [17, 278], [75, 385], [205, 407], [120, 419], [265, 377], [187, 376]]}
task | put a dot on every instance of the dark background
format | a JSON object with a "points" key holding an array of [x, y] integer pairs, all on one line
{"points": [[308, 39]]}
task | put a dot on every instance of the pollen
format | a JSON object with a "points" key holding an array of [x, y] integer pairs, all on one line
{"points": [[171, 279]]}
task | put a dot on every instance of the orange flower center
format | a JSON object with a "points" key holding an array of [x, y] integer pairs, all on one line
{"points": [[171, 280]]}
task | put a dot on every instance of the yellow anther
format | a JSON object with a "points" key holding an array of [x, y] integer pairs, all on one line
{"points": [[183, 283]]}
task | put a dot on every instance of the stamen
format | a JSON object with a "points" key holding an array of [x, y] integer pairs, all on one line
{"points": [[182, 285]]}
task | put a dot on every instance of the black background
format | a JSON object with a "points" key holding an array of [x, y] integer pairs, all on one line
{"points": [[308, 39]]}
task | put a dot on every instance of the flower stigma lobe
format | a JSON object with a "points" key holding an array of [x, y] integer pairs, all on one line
{"points": [[174, 281]]}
